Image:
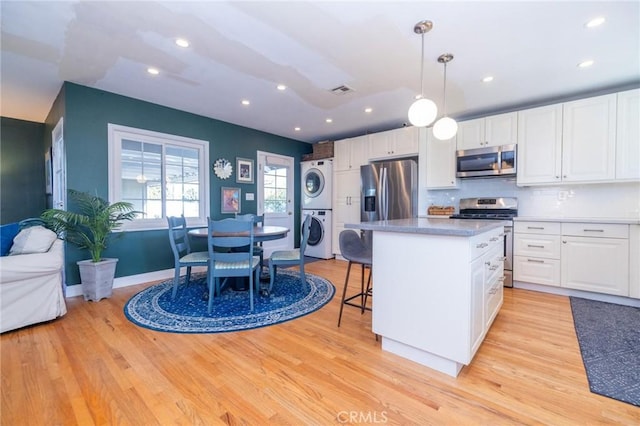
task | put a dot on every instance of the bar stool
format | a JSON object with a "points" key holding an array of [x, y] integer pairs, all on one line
{"points": [[356, 250]]}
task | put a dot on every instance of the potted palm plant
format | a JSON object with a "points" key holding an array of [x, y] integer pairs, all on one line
{"points": [[89, 229]]}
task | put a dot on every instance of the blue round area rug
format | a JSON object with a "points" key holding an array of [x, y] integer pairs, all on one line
{"points": [[289, 299]]}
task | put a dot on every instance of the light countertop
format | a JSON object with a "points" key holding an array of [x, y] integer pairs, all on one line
{"points": [[613, 220], [433, 226]]}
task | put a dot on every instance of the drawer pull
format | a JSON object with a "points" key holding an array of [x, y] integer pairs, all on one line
{"points": [[534, 246], [535, 227], [494, 239], [535, 261], [593, 230], [493, 268], [482, 245]]}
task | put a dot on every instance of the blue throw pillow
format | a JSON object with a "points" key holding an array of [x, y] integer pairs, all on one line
{"points": [[7, 234]]}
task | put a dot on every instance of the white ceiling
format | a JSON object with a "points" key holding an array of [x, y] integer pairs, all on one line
{"points": [[242, 50]]}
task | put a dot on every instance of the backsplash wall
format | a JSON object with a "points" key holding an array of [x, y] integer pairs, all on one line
{"points": [[618, 200]]}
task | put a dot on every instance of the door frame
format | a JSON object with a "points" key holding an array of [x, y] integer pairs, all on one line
{"points": [[289, 218]]}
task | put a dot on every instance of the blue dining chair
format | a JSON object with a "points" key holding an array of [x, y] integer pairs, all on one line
{"points": [[182, 254], [224, 236], [257, 221], [291, 257]]}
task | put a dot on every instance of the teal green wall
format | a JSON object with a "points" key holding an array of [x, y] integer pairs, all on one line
{"points": [[86, 115], [22, 185]]}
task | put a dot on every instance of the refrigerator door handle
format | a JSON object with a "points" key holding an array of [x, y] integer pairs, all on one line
{"points": [[380, 194], [385, 194]]}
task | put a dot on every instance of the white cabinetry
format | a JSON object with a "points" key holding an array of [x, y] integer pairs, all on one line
{"points": [[494, 130], [350, 154], [589, 139], [540, 145], [570, 142], [441, 163], [536, 249], [628, 135], [346, 206], [436, 295], [634, 261], [401, 142], [595, 257]]}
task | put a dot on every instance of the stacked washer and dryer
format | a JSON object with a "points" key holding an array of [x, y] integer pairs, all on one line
{"points": [[317, 176]]}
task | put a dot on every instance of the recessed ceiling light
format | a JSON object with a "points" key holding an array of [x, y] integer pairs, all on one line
{"points": [[596, 22], [368, 110], [182, 42], [487, 79], [297, 129], [281, 87], [585, 64], [153, 71], [245, 102], [329, 120]]}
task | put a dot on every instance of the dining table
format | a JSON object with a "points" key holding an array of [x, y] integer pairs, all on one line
{"points": [[260, 234]]}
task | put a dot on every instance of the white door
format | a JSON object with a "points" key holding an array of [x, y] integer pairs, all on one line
{"points": [[59, 198], [59, 178], [275, 197]]}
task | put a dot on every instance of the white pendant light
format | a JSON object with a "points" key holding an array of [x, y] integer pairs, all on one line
{"points": [[446, 127], [423, 111]]}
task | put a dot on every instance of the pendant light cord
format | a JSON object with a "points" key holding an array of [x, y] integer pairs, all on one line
{"points": [[444, 92], [422, 70]]}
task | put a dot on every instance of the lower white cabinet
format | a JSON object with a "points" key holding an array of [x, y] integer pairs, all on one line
{"points": [[634, 261], [599, 263], [487, 283], [536, 252], [596, 257]]}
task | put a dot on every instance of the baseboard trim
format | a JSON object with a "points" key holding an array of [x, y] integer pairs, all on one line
{"points": [[76, 290], [562, 291]]}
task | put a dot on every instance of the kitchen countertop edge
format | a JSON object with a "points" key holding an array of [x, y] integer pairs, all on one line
{"points": [[431, 226], [621, 220]]}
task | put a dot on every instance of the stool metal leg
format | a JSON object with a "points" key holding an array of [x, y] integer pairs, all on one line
{"points": [[344, 293]]}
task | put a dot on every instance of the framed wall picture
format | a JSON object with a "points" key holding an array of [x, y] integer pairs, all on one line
{"points": [[244, 170], [230, 200]]}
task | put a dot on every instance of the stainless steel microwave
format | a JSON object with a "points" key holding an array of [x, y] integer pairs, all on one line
{"points": [[493, 161]]}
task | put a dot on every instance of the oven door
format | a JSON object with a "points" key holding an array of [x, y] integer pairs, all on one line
{"points": [[478, 162]]}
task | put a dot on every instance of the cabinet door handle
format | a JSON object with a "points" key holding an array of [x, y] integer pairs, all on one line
{"points": [[481, 245], [534, 246], [494, 239], [487, 263], [536, 227], [535, 261], [593, 230]]}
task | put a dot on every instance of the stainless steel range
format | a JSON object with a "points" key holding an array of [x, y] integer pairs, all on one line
{"points": [[501, 208]]}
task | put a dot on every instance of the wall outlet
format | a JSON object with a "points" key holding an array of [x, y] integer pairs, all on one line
{"points": [[248, 196]]}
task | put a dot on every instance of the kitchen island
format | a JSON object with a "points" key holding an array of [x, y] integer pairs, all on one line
{"points": [[437, 287]]}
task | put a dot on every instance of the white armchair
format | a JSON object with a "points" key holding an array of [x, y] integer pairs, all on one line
{"points": [[31, 288]]}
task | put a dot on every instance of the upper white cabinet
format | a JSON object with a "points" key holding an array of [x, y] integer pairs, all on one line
{"points": [[540, 145], [570, 142], [441, 163], [501, 129], [401, 142], [628, 135], [589, 139], [350, 154]]}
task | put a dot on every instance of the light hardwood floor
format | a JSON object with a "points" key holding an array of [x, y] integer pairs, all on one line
{"points": [[95, 367]]}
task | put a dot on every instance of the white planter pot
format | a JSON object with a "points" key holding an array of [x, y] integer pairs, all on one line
{"points": [[97, 278]]}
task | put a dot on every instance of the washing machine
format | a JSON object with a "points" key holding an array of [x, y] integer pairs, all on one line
{"points": [[319, 242], [317, 176]]}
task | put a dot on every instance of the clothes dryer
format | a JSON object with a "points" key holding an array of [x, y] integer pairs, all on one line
{"points": [[319, 242], [317, 177]]}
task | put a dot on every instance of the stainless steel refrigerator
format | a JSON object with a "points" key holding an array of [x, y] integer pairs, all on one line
{"points": [[389, 190]]}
